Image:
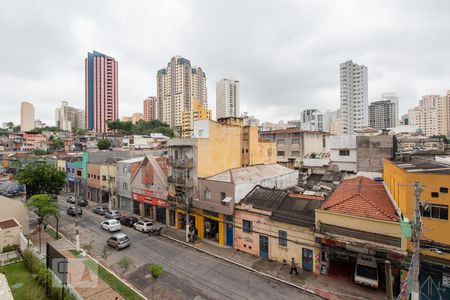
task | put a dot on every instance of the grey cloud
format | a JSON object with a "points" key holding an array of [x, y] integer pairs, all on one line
{"points": [[285, 53]]}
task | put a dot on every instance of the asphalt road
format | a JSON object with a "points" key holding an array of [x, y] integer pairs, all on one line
{"points": [[190, 273]]}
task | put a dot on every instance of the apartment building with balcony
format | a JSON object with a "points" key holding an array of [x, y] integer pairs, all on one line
{"points": [[214, 147], [293, 145]]}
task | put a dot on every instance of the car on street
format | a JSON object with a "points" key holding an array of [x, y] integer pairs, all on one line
{"points": [[82, 202], [72, 211], [71, 199], [128, 221], [118, 241], [111, 225], [112, 214], [100, 211], [143, 226]]}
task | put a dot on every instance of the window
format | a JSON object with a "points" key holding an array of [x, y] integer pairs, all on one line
{"points": [[344, 152], [103, 177], [280, 142], [295, 141], [443, 190], [280, 153], [247, 226], [207, 194], [435, 211], [78, 173], [223, 195], [434, 195], [124, 169], [324, 142], [124, 185], [295, 153], [282, 238]]}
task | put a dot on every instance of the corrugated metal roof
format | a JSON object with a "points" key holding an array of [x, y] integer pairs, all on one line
{"points": [[251, 173], [297, 211], [133, 160], [265, 198]]}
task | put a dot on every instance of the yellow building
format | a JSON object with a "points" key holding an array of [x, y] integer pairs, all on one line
{"points": [[434, 176], [214, 147], [108, 181], [188, 117]]}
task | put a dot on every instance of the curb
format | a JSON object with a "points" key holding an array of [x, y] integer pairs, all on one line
{"points": [[302, 288], [97, 262]]}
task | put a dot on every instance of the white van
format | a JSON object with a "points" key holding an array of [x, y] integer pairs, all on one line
{"points": [[366, 271]]}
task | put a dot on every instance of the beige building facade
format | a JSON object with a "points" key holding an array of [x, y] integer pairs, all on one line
{"points": [[26, 116]]}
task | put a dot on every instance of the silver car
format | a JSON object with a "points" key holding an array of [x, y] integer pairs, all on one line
{"points": [[112, 214], [118, 241]]}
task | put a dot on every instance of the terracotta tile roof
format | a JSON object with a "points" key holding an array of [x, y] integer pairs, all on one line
{"points": [[10, 223], [361, 197]]}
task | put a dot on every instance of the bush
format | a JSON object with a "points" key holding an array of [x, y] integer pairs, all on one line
{"points": [[125, 263], [156, 270], [9, 248]]}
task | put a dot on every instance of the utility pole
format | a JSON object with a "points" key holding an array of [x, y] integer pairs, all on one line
{"points": [[186, 199], [417, 229], [77, 234]]}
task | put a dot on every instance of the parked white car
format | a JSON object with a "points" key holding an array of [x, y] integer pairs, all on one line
{"points": [[111, 225], [143, 226]]}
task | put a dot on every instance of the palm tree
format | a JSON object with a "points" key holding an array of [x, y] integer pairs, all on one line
{"points": [[43, 206]]}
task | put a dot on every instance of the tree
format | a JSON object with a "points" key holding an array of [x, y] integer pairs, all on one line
{"points": [[156, 270], [39, 152], [103, 144], [88, 246], [57, 143], [43, 206], [105, 253], [42, 180], [125, 263], [80, 131]]}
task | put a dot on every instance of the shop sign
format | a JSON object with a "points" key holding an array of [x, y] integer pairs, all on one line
{"points": [[149, 200], [446, 280], [149, 193]]}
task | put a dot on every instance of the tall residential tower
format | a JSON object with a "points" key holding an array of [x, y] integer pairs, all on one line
{"points": [[384, 113], [102, 95], [150, 108], [354, 97], [178, 86], [227, 98], [26, 116]]}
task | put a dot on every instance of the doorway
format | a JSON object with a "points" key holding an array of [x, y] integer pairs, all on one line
{"points": [[263, 246], [307, 259]]}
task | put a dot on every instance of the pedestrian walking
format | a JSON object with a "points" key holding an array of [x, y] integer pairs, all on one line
{"points": [[293, 267]]}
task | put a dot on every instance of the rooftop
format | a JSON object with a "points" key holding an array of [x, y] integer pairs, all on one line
{"points": [[265, 198], [133, 160], [361, 197], [10, 223], [291, 130], [436, 165], [252, 173]]}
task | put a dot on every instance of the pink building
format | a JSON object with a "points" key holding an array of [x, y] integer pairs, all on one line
{"points": [[150, 108], [102, 95]]}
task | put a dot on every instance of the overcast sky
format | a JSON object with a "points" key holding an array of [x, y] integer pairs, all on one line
{"points": [[286, 54]]}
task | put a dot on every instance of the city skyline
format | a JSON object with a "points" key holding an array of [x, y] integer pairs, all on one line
{"points": [[277, 90]]}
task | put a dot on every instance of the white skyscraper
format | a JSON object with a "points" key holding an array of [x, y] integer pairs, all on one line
{"points": [[69, 118], [227, 98], [178, 86], [354, 97]]}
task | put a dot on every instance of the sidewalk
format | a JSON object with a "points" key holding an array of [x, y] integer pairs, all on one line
{"points": [[325, 286]]}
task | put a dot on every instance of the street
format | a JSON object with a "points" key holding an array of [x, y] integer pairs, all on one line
{"points": [[188, 273]]}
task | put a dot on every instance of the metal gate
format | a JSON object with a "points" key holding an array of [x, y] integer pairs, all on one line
{"points": [[307, 259], [264, 246], [161, 214]]}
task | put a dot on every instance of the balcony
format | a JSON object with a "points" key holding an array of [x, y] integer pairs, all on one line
{"points": [[181, 181], [181, 163]]}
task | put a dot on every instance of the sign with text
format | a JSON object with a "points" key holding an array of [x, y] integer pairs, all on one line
{"points": [[149, 200]]}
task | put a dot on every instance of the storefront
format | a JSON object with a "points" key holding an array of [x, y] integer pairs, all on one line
{"points": [[150, 207], [338, 260]]}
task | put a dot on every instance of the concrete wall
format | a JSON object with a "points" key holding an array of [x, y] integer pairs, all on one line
{"points": [[9, 236], [372, 150], [215, 203], [15, 209], [249, 241], [400, 184], [299, 237], [363, 224]]}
